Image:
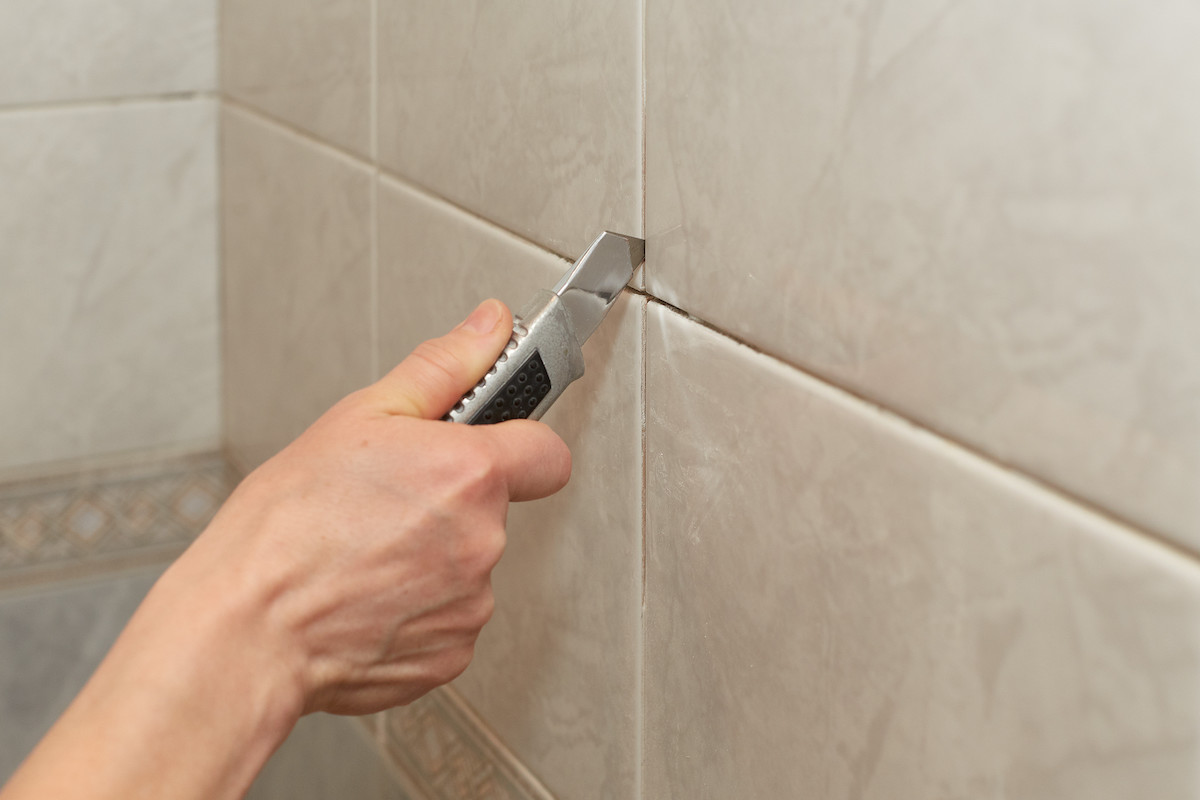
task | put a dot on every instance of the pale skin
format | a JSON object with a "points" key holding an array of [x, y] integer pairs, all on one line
{"points": [[350, 573]]}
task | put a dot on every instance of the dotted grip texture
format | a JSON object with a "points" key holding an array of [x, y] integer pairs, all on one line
{"points": [[519, 396]]}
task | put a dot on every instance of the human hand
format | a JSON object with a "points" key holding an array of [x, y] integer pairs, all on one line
{"points": [[350, 573], [367, 544]]}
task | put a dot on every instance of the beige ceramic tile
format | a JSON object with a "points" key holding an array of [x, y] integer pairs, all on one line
{"points": [[304, 61], [297, 283], [839, 605], [55, 50], [981, 213], [555, 670], [327, 757], [108, 281], [52, 639], [528, 115]]}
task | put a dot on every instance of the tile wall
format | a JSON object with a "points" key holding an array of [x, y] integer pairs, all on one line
{"points": [[885, 485], [108, 218]]}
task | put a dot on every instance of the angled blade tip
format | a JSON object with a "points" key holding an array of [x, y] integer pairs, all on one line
{"points": [[637, 247]]}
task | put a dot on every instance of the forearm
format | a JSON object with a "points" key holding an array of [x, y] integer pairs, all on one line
{"points": [[189, 703]]}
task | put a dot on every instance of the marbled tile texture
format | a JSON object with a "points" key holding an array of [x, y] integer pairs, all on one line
{"points": [[304, 61], [980, 213], [528, 116], [64, 50], [840, 606], [555, 670], [108, 280], [297, 283]]}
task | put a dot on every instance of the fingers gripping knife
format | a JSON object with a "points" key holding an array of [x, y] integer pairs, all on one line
{"points": [[544, 354]]}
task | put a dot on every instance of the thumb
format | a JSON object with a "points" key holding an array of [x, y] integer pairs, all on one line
{"points": [[440, 371]]}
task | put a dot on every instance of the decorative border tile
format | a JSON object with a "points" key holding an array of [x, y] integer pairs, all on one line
{"points": [[118, 517], [446, 752]]}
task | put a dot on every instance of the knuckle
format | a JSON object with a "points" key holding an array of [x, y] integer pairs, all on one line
{"points": [[479, 472], [483, 550], [492, 546], [486, 609], [458, 659]]}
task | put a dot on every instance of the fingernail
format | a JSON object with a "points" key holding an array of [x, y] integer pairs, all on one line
{"points": [[484, 318]]}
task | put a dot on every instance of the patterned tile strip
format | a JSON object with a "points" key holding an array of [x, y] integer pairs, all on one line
{"points": [[447, 753], [76, 524]]}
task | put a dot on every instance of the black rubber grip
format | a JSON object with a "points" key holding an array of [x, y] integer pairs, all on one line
{"points": [[517, 398]]}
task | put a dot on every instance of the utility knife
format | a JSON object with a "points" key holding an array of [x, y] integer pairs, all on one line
{"points": [[545, 353]]}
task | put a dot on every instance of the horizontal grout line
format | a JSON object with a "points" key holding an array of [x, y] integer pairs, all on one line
{"points": [[106, 102], [385, 172], [266, 118], [1036, 481], [73, 574], [964, 448], [433, 196], [90, 466]]}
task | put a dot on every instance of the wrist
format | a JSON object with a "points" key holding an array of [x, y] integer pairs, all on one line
{"points": [[230, 645]]}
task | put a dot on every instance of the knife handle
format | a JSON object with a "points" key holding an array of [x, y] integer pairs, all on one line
{"points": [[540, 360]]}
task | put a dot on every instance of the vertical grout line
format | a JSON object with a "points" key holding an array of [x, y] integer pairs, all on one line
{"points": [[373, 95], [640, 658], [373, 229], [219, 266], [642, 86], [373, 233]]}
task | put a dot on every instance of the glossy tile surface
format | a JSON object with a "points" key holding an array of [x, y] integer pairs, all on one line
{"points": [[555, 671], [304, 61], [56, 50], [529, 117], [108, 280], [327, 757], [297, 283], [981, 213], [839, 605], [51, 641]]}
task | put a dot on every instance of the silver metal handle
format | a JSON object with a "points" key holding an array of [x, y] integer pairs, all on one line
{"points": [[541, 359]]}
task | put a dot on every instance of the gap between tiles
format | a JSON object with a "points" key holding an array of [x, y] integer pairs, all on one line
{"points": [[961, 450], [373, 93], [373, 277], [639, 728], [283, 126], [84, 104]]}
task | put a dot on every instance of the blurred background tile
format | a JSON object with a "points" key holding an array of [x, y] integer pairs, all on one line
{"points": [[530, 117], [62, 50], [327, 757], [307, 62], [108, 281], [297, 283], [52, 640]]}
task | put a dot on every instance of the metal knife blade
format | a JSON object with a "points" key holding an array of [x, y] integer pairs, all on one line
{"points": [[590, 288]]}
